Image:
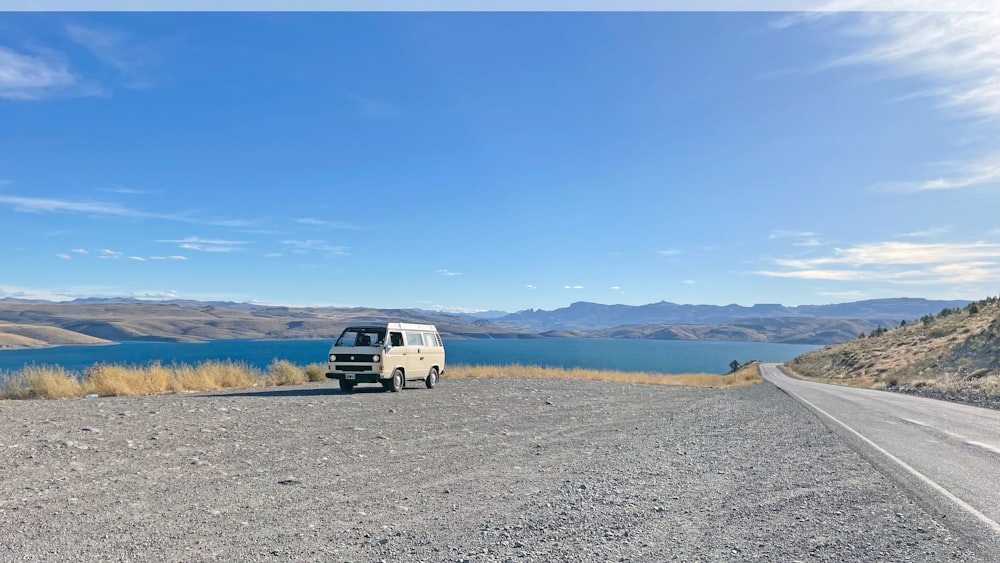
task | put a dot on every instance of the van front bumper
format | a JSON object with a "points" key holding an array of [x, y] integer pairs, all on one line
{"points": [[370, 377]]}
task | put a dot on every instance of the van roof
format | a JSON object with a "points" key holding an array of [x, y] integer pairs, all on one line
{"points": [[398, 326], [412, 326]]}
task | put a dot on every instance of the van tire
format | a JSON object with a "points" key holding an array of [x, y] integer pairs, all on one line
{"points": [[396, 383], [432, 378], [346, 386]]}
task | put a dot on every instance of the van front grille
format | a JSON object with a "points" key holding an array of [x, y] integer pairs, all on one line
{"points": [[352, 368]]}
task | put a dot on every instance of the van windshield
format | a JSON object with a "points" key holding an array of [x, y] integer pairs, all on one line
{"points": [[361, 336]]}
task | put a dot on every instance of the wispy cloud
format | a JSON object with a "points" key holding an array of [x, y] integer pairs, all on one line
{"points": [[120, 50], [572, 287], [898, 262], [324, 223], [103, 208], [79, 251], [175, 257], [927, 233], [128, 191], [531, 286], [448, 273], [306, 246], [668, 252], [957, 53], [64, 256], [207, 245], [137, 258], [108, 254], [34, 77], [790, 234]]}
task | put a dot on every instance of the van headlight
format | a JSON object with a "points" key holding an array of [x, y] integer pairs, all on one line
{"points": [[333, 358], [375, 358]]}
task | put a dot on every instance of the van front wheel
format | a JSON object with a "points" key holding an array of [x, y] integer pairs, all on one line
{"points": [[346, 386], [432, 378], [396, 383]]}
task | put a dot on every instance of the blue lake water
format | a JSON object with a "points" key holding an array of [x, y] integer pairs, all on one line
{"points": [[660, 356]]}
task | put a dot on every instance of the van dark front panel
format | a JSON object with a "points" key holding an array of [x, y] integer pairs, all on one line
{"points": [[353, 369]]}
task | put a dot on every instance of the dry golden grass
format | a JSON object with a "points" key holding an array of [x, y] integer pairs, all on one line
{"points": [[747, 375], [283, 372], [316, 372], [119, 380], [41, 382]]}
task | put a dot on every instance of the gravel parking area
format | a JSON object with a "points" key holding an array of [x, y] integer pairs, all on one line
{"points": [[500, 469]]}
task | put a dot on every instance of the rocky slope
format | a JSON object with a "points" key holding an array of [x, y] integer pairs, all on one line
{"points": [[957, 350]]}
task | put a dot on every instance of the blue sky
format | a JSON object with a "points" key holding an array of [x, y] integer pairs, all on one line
{"points": [[500, 160]]}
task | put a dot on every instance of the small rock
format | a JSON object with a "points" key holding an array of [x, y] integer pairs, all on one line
{"points": [[91, 396]]}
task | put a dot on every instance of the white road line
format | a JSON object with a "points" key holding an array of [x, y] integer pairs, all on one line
{"points": [[961, 503], [984, 446], [911, 421]]}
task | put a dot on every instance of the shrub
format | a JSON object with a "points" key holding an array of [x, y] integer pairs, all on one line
{"points": [[283, 372], [41, 382], [316, 372]]}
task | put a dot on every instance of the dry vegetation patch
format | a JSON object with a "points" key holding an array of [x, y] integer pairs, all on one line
{"points": [[955, 349], [46, 382], [746, 375]]}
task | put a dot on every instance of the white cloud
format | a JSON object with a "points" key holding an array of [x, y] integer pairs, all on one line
{"points": [[50, 205], [927, 233], [304, 246], [616, 287], [78, 251], [111, 254], [155, 294], [898, 262], [790, 234], [530, 286], [137, 258], [668, 252], [324, 223], [448, 273], [64, 256], [689, 282], [168, 257], [27, 77], [957, 55], [572, 287], [207, 245]]}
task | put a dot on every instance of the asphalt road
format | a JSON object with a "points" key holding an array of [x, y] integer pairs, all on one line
{"points": [[947, 453]]}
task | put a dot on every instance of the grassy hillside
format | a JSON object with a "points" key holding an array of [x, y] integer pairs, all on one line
{"points": [[955, 349], [34, 336]]}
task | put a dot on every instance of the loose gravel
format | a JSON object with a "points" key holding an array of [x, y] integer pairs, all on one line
{"points": [[974, 397], [500, 469]]}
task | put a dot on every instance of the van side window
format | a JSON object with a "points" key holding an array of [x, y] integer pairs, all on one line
{"points": [[429, 339], [395, 338], [413, 339]]}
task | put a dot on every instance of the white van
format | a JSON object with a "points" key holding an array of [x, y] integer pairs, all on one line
{"points": [[389, 354]]}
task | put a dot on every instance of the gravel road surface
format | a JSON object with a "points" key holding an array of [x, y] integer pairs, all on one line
{"points": [[474, 470]]}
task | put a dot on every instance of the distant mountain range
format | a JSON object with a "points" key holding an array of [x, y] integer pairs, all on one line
{"points": [[119, 319], [594, 316]]}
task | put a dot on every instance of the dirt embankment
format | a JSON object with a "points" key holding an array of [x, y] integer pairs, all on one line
{"points": [[957, 351], [475, 470]]}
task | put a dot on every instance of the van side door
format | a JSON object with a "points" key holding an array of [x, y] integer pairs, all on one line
{"points": [[415, 363], [395, 355]]}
